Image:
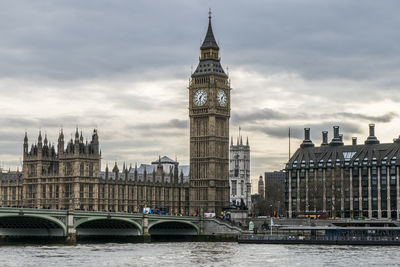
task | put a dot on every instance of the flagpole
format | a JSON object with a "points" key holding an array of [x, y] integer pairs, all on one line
{"points": [[289, 143]]}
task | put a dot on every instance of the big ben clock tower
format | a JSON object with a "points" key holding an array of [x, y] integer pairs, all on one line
{"points": [[209, 112]]}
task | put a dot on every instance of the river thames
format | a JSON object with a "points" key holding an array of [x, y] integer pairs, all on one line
{"points": [[198, 254]]}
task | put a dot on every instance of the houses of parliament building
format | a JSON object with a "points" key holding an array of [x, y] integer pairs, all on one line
{"points": [[71, 178], [69, 175]]}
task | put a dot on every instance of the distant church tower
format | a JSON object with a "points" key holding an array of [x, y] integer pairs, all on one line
{"points": [[209, 112], [239, 173]]}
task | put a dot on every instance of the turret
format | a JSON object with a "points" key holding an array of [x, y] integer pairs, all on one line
{"points": [[115, 170], [176, 172], [76, 136], [95, 142], [76, 142], [136, 171], [26, 144], [45, 140], [125, 172], [60, 145], [247, 141], [40, 144]]}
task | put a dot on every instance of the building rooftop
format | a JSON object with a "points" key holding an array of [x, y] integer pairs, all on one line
{"points": [[372, 152]]}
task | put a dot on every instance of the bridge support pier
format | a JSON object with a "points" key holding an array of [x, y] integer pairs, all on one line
{"points": [[71, 231], [145, 226], [201, 225]]}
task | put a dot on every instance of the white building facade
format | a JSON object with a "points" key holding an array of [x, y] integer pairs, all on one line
{"points": [[239, 173]]}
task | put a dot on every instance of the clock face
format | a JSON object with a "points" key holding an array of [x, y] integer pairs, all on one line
{"points": [[200, 97], [222, 99]]}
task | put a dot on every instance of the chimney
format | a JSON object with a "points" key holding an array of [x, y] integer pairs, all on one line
{"points": [[371, 129], [354, 141], [324, 138], [335, 131], [307, 141], [306, 133], [371, 138], [337, 139]]}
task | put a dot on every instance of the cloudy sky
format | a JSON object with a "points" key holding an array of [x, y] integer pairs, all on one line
{"points": [[123, 67]]}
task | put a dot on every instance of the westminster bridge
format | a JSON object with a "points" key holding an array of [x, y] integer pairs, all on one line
{"points": [[73, 224]]}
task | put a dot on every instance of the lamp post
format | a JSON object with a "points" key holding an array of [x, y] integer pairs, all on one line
{"points": [[279, 205]]}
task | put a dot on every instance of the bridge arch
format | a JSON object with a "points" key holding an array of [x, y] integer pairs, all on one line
{"points": [[31, 225], [173, 227], [105, 226]]}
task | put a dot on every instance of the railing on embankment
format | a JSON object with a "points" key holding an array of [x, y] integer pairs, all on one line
{"points": [[322, 240]]}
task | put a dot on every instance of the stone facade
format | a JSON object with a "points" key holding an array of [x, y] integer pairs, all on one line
{"points": [[71, 177], [209, 112], [11, 188], [239, 173]]}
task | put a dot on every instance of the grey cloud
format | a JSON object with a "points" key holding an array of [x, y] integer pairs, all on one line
{"points": [[267, 114], [296, 130], [319, 40], [268, 163], [171, 124], [11, 149], [49, 122], [388, 117]]}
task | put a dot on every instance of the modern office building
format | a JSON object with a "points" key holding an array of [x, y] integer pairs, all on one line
{"points": [[261, 187], [344, 180], [275, 176]]}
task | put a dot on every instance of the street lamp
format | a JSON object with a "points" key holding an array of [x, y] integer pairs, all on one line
{"points": [[279, 205]]}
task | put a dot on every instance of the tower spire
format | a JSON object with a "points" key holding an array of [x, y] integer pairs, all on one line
{"points": [[209, 42]]}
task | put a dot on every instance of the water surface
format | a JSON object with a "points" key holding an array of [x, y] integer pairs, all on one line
{"points": [[198, 254]]}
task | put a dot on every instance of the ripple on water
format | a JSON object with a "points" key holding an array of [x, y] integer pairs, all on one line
{"points": [[197, 254]]}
